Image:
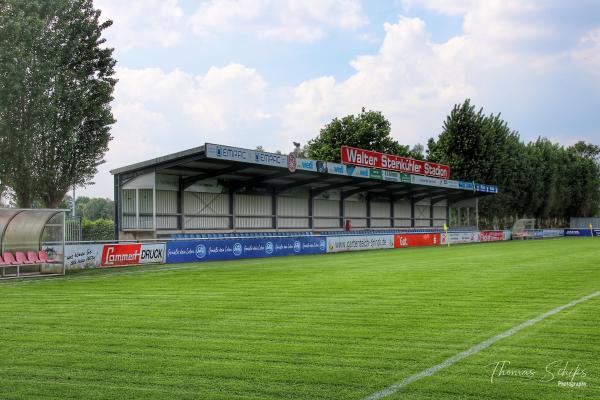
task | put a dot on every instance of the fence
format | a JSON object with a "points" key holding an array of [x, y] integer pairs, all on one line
{"points": [[584, 223], [73, 229]]}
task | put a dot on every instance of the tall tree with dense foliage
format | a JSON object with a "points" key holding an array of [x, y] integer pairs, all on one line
{"points": [[540, 179], [368, 130], [484, 149], [56, 85]]}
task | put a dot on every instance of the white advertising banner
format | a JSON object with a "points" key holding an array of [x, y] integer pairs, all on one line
{"points": [[337, 169], [429, 181], [80, 256], [245, 155], [460, 237], [83, 256], [152, 253], [360, 242]]}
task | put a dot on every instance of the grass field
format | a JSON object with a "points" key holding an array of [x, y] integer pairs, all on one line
{"points": [[340, 326]]}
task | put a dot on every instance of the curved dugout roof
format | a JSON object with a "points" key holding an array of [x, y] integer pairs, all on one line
{"points": [[22, 229]]}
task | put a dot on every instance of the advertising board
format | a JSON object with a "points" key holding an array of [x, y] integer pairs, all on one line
{"points": [[416, 239], [486, 188], [245, 155], [227, 249], [460, 237], [396, 176], [582, 232], [340, 243], [552, 233], [80, 256], [117, 255], [426, 180], [491, 236], [466, 185], [375, 159]]}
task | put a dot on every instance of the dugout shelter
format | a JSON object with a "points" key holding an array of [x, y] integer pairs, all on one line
{"points": [[217, 188], [32, 242]]}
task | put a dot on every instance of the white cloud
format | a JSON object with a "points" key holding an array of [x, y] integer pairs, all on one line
{"points": [[285, 20], [161, 112], [142, 23], [587, 54], [411, 80], [502, 60]]}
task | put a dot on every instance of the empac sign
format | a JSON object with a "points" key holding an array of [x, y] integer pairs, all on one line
{"points": [[374, 159], [245, 155]]}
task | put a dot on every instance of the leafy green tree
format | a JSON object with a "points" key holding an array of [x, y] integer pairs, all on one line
{"points": [[56, 85], [101, 229], [98, 208], [80, 205], [484, 149], [368, 130], [584, 179], [540, 179]]}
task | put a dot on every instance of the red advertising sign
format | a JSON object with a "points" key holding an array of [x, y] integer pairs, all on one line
{"points": [[114, 255], [491, 236], [419, 239], [374, 159]]}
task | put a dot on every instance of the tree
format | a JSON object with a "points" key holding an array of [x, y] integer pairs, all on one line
{"points": [[368, 130], [97, 208], [56, 85], [484, 149], [540, 179]]}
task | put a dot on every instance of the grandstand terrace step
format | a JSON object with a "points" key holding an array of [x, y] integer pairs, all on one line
{"points": [[257, 234]]}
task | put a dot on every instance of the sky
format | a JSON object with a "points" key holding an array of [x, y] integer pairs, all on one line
{"points": [[266, 73]]}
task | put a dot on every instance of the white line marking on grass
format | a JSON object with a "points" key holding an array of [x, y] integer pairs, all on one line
{"points": [[475, 349]]}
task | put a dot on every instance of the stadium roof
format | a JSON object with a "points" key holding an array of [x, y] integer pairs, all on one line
{"points": [[245, 168]]}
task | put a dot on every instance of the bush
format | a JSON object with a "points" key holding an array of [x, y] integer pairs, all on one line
{"points": [[101, 229]]}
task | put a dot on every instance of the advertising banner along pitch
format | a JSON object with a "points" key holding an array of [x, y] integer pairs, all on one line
{"points": [[415, 240], [582, 232], [359, 242], [460, 237], [491, 236], [117, 255], [229, 249]]}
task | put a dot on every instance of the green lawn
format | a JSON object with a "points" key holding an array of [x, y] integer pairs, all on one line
{"points": [[337, 326]]}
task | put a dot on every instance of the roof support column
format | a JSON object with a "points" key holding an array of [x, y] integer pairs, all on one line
{"points": [[477, 212], [447, 213], [391, 212], [342, 209], [431, 213], [368, 210], [273, 209], [180, 204], [231, 202], [412, 212], [311, 200], [117, 198]]}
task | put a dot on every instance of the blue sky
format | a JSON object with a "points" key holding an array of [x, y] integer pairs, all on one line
{"points": [[269, 72]]}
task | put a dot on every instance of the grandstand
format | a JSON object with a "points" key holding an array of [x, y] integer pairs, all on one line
{"points": [[222, 191]]}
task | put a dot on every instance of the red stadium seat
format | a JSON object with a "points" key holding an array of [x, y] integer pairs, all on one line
{"points": [[44, 258], [2, 261], [9, 259], [22, 258], [32, 256]]}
